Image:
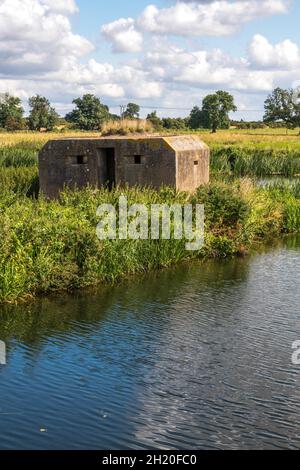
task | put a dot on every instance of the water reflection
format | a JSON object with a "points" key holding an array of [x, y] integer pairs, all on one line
{"points": [[31, 322], [193, 357]]}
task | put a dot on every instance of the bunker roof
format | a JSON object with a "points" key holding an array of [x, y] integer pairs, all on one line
{"points": [[178, 143], [185, 142]]}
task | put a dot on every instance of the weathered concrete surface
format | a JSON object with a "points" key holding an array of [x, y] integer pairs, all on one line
{"points": [[177, 161]]}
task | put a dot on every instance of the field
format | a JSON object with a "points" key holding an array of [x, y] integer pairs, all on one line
{"points": [[278, 138], [52, 246], [241, 153]]}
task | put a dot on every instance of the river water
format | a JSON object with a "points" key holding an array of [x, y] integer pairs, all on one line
{"points": [[196, 357]]}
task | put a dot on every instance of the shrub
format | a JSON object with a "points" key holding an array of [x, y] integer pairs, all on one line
{"points": [[223, 206]]}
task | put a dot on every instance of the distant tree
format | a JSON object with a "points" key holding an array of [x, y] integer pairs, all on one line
{"points": [[195, 120], [216, 109], [42, 115], [114, 117], [174, 123], [89, 113], [296, 101], [11, 113], [248, 124], [155, 120], [283, 106], [132, 111]]}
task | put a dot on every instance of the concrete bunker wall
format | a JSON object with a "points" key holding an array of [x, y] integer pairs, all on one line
{"points": [[67, 163], [80, 162], [192, 169], [179, 161], [145, 162]]}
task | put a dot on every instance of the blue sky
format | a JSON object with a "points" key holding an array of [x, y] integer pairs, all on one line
{"points": [[93, 14], [159, 53]]}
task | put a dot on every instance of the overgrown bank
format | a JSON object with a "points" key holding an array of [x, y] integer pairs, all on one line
{"points": [[52, 246]]}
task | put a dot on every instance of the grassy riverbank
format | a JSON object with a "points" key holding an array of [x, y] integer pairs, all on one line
{"points": [[52, 246]]}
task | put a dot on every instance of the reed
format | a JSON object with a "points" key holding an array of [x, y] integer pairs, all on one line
{"points": [[49, 246], [259, 162], [17, 157], [19, 181]]}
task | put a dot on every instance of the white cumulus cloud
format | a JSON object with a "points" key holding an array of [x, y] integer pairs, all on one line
{"points": [[284, 55], [41, 53], [123, 35], [217, 18], [36, 36]]}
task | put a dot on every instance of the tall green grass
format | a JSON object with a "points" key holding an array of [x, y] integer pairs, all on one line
{"points": [[254, 161], [292, 216], [288, 193], [48, 246], [22, 181], [22, 155], [235, 159]]}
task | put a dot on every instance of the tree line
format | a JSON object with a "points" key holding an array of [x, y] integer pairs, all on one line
{"points": [[282, 108]]}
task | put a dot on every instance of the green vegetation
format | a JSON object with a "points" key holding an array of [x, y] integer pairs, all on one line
{"points": [[42, 115], [132, 111], [282, 109], [19, 155], [254, 161], [213, 115], [11, 113], [89, 113], [52, 246], [232, 153], [168, 124], [19, 181], [216, 109], [283, 106]]}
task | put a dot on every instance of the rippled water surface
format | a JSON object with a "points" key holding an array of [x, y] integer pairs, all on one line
{"points": [[190, 358]]}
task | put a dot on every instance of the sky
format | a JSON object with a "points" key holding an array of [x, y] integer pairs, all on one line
{"points": [[165, 55]]}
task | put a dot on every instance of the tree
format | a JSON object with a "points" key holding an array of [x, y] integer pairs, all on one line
{"points": [[155, 120], [174, 123], [195, 120], [216, 109], [42, 115], [296, 101], [89, 113], [132, 111], [283, 105], [11, 113]]}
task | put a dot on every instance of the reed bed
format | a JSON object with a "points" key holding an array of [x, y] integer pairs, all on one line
{"points": [[50, 246], [22, 181], [259, 162], [18, 157]]}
